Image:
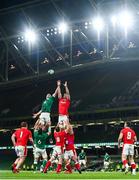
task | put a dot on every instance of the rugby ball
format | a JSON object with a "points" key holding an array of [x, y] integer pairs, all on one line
{"points": [[51, 71]]}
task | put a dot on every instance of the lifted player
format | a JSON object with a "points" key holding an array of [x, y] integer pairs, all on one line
{"points": [[40, 137], [128, 136], [70, 152], [20, 138], [64, 102], [58, 150], [46, 109]]}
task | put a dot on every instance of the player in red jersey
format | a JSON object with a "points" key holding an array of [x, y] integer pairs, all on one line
{"points": [[64, 103], [128, 137], [20, 138], [70, 152], [58, 150]]}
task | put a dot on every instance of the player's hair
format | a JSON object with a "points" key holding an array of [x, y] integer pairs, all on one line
{"points": [[24, 124], [57, 128], [128, 124], [40, 131]]}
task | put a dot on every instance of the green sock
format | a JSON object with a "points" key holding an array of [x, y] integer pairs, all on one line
{"points": [[44, 163]]}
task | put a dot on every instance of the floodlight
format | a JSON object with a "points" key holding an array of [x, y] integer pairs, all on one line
{"points": [[113, 20], [63, 27], [126, 19], [98, 24], [30, 36]]}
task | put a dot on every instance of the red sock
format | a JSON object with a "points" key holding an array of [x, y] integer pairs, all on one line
{"points": [[77, 166], [68, 167], [48, 164], [14, 165], [124, 162], [59, 168], [133, 165]]}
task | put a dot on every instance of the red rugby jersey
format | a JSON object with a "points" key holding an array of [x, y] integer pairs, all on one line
{"points": [[60, 138], [128, 135], [64, 106], [69, 142], [22, 136]]}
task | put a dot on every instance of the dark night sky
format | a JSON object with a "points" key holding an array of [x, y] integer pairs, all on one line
{"points": [[9, 3]]}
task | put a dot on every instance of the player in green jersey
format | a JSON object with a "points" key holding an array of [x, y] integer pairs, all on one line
{"points": [[106, 161], [82, 158], [40, 137], [46, 109]]}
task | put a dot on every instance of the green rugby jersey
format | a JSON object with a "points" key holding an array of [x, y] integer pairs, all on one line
{"points": [[40, 139], [82, 156], [47, 104]]}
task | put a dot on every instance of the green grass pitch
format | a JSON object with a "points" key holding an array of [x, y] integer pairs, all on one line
{"points": [[52, 175]]}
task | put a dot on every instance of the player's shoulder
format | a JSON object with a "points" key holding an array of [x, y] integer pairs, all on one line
{"points": [[28, 131]]}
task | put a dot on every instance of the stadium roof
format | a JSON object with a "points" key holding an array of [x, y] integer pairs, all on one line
{"points": [[40, 15]]}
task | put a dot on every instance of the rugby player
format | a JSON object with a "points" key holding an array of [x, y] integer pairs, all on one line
{"points": [[70, 151], [64, 103], [128, 137], [40, 137], [19, 139], [58, 150]]}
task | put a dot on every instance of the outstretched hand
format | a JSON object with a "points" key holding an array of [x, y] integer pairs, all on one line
{"points": [[66, 83], [58, 83], [34, 116]]}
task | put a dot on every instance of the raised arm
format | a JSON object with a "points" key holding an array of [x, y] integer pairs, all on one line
{"points": [[69, 128], [67, 89], [37, 114], [59, 89], [37, 125], [56, 91]]}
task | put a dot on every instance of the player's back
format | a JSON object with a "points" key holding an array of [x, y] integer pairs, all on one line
{"points": [[40, 139], [60, 138], [69, 141], [64, 106], [128, 135], [22, 136]]}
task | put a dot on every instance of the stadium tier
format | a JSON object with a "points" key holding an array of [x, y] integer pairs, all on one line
{"points": [[94, 86]]}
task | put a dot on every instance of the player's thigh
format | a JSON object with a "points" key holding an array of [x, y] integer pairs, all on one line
{"points": [[125, 150], [45, 118], [57, 152], [21, 151], [131, 150], [67, 155], [44, 154], [84, 162], [37, 153], [80, 162]]}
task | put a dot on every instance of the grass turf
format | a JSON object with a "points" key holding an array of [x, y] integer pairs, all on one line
{"points": [[52, 175]]}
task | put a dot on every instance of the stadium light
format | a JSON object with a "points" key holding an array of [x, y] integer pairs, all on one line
{"points": [[126, 19], [114, 20], [98, 24], [62, 27], [30, 36]]}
